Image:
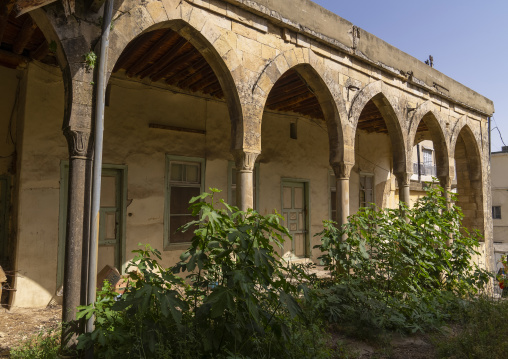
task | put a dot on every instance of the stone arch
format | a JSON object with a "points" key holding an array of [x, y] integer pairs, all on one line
{"points": [[469, 177], [392, 115], [40, 17], [437, 131], [327, 92], [216, 56]]}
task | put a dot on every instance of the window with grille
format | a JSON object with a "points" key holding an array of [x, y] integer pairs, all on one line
{"points": [[184, 181], [366, 190], [496, 212]]}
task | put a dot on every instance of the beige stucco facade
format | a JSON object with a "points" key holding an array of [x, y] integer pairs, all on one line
{"points": [[249, 45], [499, 163]]}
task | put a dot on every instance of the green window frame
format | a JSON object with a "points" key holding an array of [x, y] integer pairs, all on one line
{"points": [[366, 196], [185, 178], [232, 184]]}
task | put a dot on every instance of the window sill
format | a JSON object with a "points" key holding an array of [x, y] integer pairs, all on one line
{"points": [[177, 246]]}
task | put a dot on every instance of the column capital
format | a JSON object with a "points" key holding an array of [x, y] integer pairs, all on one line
{"points": [[245, 160], [79, 142], [403, 178], [342, 170], [445, 182]]}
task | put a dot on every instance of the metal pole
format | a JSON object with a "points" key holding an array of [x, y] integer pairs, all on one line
{"points": [[419, 165], [97, 165]]}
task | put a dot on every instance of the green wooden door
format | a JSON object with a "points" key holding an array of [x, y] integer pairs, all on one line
{"points": [[112, 218], [109, 220], [294, 210]]}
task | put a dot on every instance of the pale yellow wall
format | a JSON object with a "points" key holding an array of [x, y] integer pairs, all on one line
{"points": [[499, 177], [43, 146], [373, 156], [129, 141]]}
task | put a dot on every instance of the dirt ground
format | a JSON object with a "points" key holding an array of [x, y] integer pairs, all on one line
{"points": [[395, 347], [19, 324]]}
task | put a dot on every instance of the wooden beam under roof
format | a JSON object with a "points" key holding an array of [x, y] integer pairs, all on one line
{"points": [[24, 35], [196, 73], [23, 6], [4, 16], [11, 60], [164, 60], [171, 66], [149, 55], [293, 101], [41, 52], [205, 81]]}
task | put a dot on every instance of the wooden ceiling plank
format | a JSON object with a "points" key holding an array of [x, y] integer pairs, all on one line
{"points": [[41, 52], [204, 82], [286, 94], [164, 60], [127, 54], [187, 57], [24, 6], [4, 16], [195, 75], [212, 88], [294, 100], [310, 107], [187, 73], [287, 82], [148, 56], [11, 59], [24, 35]]}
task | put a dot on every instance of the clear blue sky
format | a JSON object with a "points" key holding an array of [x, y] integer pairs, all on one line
{"points": [[467, 38]]}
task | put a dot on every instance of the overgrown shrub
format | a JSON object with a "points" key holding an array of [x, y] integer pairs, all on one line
{"points": [[240, 300], [396, 269], [480, 332], [43, 345]]}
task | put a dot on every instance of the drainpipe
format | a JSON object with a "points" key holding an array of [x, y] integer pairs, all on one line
{"points": [[490, 144], [97, 165], [419, 163]]}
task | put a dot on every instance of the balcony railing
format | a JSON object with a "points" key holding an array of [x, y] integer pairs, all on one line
{"points": [[425, 170]]}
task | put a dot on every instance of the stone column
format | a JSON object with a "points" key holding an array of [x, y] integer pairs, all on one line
{"points": [[244, 162], [446, 183], [404, 180], [77, 228], [342, 173]]}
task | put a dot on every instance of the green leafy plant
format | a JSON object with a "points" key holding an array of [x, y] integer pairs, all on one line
{"points": [[239, 298], [43, 345], [480, 329], [90, 60], [52, 47], [396, 268]]}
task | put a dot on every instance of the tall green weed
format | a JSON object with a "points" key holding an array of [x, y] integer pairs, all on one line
{"points": [[401, 269]]}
